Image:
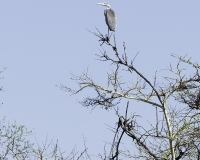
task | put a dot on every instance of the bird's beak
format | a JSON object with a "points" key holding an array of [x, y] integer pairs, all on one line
{"points": [[99, 3]]}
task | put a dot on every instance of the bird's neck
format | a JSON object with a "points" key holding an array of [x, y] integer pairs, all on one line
{"points": [[108, 7]]}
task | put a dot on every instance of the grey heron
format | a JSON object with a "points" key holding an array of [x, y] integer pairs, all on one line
{"points": [[110, 17]]}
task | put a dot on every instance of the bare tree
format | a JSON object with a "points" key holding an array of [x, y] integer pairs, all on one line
{"points": [[14, 144], [175, 98]]}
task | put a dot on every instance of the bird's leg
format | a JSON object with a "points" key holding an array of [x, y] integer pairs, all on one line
{"points": [[115, 43], [108, 35], [114, 39]]}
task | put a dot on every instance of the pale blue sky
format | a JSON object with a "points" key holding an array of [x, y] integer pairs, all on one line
{"points": [[43, 41]]}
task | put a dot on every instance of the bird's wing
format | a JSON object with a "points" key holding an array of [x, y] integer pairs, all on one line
{"points": [[110, 19]]}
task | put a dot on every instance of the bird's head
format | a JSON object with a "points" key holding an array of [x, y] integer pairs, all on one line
{"points": [[104, 4]]}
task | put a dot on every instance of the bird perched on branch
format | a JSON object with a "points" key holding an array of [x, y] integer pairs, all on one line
{"points": [[110, 17]]}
